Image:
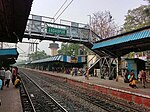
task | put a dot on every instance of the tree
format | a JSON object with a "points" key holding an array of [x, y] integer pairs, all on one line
{"points": [[63, 49], [69, 49], [147, 1], [137, 18], [103, 24], [38, 55]]}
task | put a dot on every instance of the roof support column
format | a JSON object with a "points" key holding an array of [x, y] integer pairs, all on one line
{"points": [[118, 60]]}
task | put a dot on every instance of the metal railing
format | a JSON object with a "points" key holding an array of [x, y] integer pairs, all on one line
{"points": [[45, 29]]}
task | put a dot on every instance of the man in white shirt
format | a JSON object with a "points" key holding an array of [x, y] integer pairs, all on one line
{"points": [[8, 76]]}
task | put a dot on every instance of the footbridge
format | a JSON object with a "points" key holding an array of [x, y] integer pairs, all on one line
{"points": [[43, 28]]}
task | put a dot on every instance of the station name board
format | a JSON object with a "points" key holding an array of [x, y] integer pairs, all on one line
{"points": [[57, 31]]}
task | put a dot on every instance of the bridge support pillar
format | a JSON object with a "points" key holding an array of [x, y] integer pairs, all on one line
{"points": [[118, 63], [108, 68]]}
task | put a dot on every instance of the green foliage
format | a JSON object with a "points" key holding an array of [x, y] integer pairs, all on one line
{"points": [[38, 55], [137, 18], [130, 55], [147, 1], [69, 49]]}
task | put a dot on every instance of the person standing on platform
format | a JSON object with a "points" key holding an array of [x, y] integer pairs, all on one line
{"points": [[2, 76], [53, 69], [76, 71], [87, 74], [8, 76], [14, 74], [126, 80], [140, 76], [143, 77], [72, 72], [1, 84], [132, 82]]}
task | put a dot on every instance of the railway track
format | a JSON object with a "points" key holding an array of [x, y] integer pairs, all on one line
{"points": [[36, 99], [107, 103], [26, 100]]}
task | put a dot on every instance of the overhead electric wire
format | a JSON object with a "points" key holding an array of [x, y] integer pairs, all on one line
{"points": [[60, 9], [63, 11]]}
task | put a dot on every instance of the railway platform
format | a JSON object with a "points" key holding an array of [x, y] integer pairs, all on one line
{"points": [[11, 102], [10, 99], [118, 89]]}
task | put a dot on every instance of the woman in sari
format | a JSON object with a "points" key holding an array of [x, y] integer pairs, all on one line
{"points": [[132, 82]]}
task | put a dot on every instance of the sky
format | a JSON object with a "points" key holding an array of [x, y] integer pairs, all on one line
{"points": [[78, 11]]}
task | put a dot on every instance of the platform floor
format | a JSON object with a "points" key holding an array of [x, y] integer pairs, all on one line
{"points": [[10, 99], [108, 83], [118, 89]]}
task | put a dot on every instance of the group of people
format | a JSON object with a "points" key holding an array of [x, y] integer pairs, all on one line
{"points": [[130, 78], [7, 75]]}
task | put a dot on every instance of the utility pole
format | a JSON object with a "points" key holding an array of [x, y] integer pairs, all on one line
{"points": [[1, 45], [90, 27]]}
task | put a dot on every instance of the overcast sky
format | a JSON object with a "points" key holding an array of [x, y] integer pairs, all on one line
{"points": [[78, 11]]}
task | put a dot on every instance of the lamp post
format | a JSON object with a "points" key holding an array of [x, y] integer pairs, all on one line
{"points": [[1, 45]]}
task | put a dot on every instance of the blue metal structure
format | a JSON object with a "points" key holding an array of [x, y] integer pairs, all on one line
{"points": [[137, 40], [8, 56], [61, 58], [9, 52], [136, 65], [122, 39]]}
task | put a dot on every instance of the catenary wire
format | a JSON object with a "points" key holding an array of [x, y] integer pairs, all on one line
{"points": [[63, 11]]}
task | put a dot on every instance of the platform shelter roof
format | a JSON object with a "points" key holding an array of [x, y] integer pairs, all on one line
{"points": [[122, 44], [13, 19], [8, 56], [7, 53], [62, 58]]}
